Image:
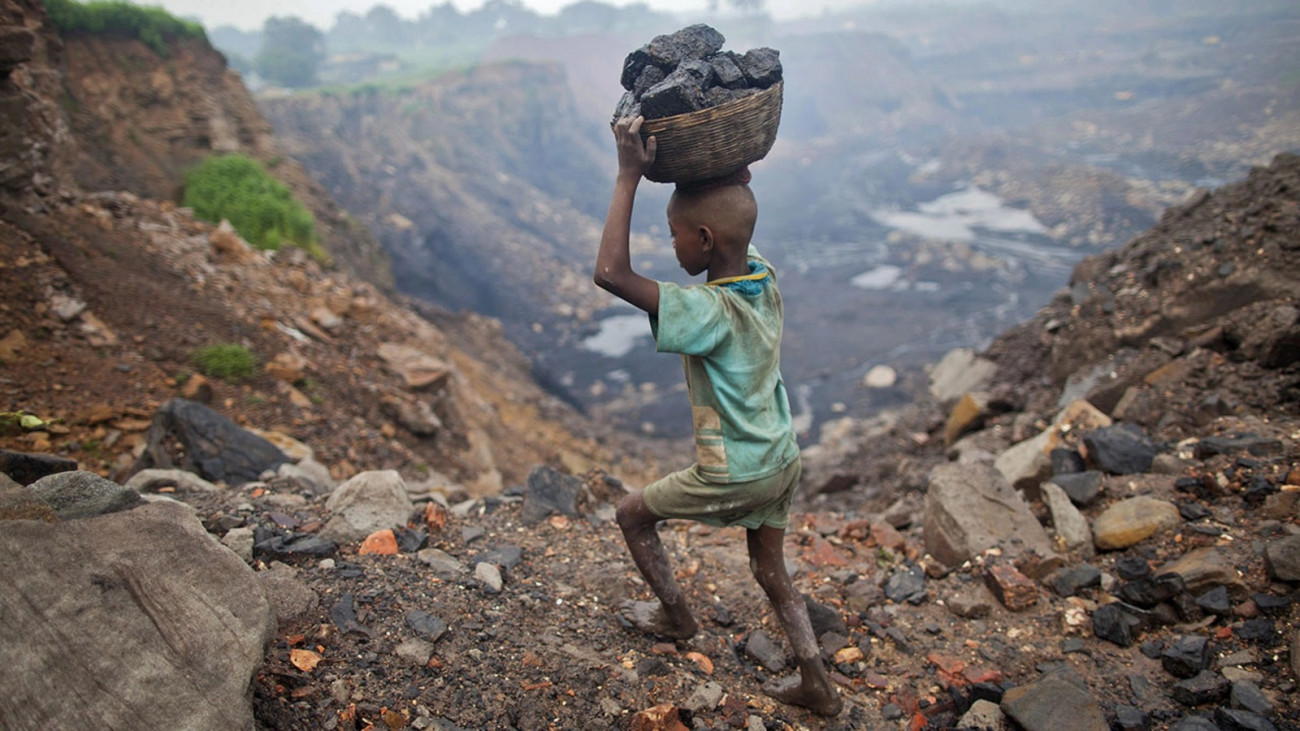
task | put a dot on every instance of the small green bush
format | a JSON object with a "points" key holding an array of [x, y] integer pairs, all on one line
{"points": [[261, 208], [152, 26], [233, 363]]}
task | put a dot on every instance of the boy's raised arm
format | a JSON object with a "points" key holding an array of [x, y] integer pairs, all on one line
{"points": [[613, 262]]}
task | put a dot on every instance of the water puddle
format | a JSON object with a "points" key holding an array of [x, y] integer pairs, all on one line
{"points": [[618, 335]]}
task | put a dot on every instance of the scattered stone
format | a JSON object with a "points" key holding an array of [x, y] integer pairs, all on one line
{"points": [[369, 502], [154, 480], [1042, 705], [663, 717], [966, 416], [311, 475], [25, 468], [985, 716], [960, 371], [344, 615], [240, 540], [1262, 631], [194, 438], [824, 619], [1083, 487], [415, 651], [1150, 591], [1205, 687], [760, 647], [294, 544], [1282, 559], [1015, 590], [1231, 719], [1186, 656], [1069, 582], [1248, 697], [971, 508], [147, 588], [418, 371], [1132, 521], [906, 585], [82, 494], [549, 492], [1118, 623], [1195, 723], [1066, 461], [970, 603], [1215, 601], [426, 625], [1123, 449], [410, 540], [1204, 568], [1070, 525], [1132, 568], [1237, 443], [379, 543], [442, 563], [489, 576], [706, 697], [1128, 718]]}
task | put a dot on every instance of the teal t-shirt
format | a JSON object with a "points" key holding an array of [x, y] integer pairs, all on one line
{"points": [[729, 335]]}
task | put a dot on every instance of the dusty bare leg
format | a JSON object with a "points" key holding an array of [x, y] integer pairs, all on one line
{"points": [[812, 688], [670, 616]]}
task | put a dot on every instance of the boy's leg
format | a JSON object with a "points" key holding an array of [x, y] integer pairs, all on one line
{"points": [[670, 617], [812, 688]]}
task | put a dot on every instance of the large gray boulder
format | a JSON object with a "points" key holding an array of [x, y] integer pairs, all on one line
{"points": [[137, 619], [972, 507], [83, 494]]}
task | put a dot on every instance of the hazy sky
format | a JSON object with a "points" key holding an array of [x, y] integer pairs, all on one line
{"points": [[249, 14]]}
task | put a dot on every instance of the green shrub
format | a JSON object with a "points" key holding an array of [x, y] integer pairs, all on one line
{"points": [[261, 208], [233, 363], [152, 26]]}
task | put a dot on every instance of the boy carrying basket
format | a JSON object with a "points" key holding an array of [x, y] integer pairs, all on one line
{"points": [[728, 332]]}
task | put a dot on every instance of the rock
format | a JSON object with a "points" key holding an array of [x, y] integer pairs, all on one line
{"points": [[764, 651], [1083, 488], [1248, 697], [824, 619], [970, 508], [1205, 687], [549, 492], [1041, 706], [294, 544], [663, 717], [966, 416], [1282, 559], [417, 370], [369, 502], [210, 445], [506, 556], [1123, 449], [906, 585], [112, 609], [706, 697], [1066, 461], [1231, 719], [1069, 582], [16, 46], [1186, 656], [1128, 718], [959, 372], [1195, 723], [970, 603], [415, 651], [1070, 525], [1205, 568], [18, 503], [1215, 601], [154, 480], [344, 615], [1149, 591], [690, 43], [1026, 464], [25, 468], [1015, 590], [1119, 623], [441, 562], [312, 476], [1274, 341], [413, 415], [228, 247], [489, 576], [1132, 521], [289, 596], [81, 494], [679, 93], [1238, 442], [426, 625], [240, 540], [985, 716]]}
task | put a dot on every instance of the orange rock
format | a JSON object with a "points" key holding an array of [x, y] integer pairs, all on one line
{"points": [[435, 516], [823, 553], [887, 535], [663, 717], [701, 660], [304, 660], [382, 543]]}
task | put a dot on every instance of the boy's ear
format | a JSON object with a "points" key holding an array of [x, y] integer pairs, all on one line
{"points": [[706, 237]]}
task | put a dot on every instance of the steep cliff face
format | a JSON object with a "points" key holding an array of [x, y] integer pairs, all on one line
{"points": [[107, 113], [478, 183]]}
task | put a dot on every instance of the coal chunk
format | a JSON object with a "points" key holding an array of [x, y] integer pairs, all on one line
{"points": [[679, 93], [1186, 656], [762, 66], [726, 70], [690, 43]]}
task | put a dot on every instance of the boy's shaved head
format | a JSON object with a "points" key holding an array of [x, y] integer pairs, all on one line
{"points": [[730, 211]]}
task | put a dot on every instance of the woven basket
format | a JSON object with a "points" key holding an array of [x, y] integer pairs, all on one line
{"points": [[716, 141]]}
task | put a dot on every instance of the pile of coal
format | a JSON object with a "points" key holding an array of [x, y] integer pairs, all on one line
{"points": [[688, 71]]}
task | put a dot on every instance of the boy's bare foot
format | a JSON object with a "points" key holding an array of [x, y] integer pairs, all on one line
{"points": [[820, 699], [650, 618]]}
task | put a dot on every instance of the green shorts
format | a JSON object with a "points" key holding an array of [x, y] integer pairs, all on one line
{"points": [[686, 494]]}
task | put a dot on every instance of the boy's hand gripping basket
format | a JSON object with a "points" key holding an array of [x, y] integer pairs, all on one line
{"points": [[716, 141]]}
